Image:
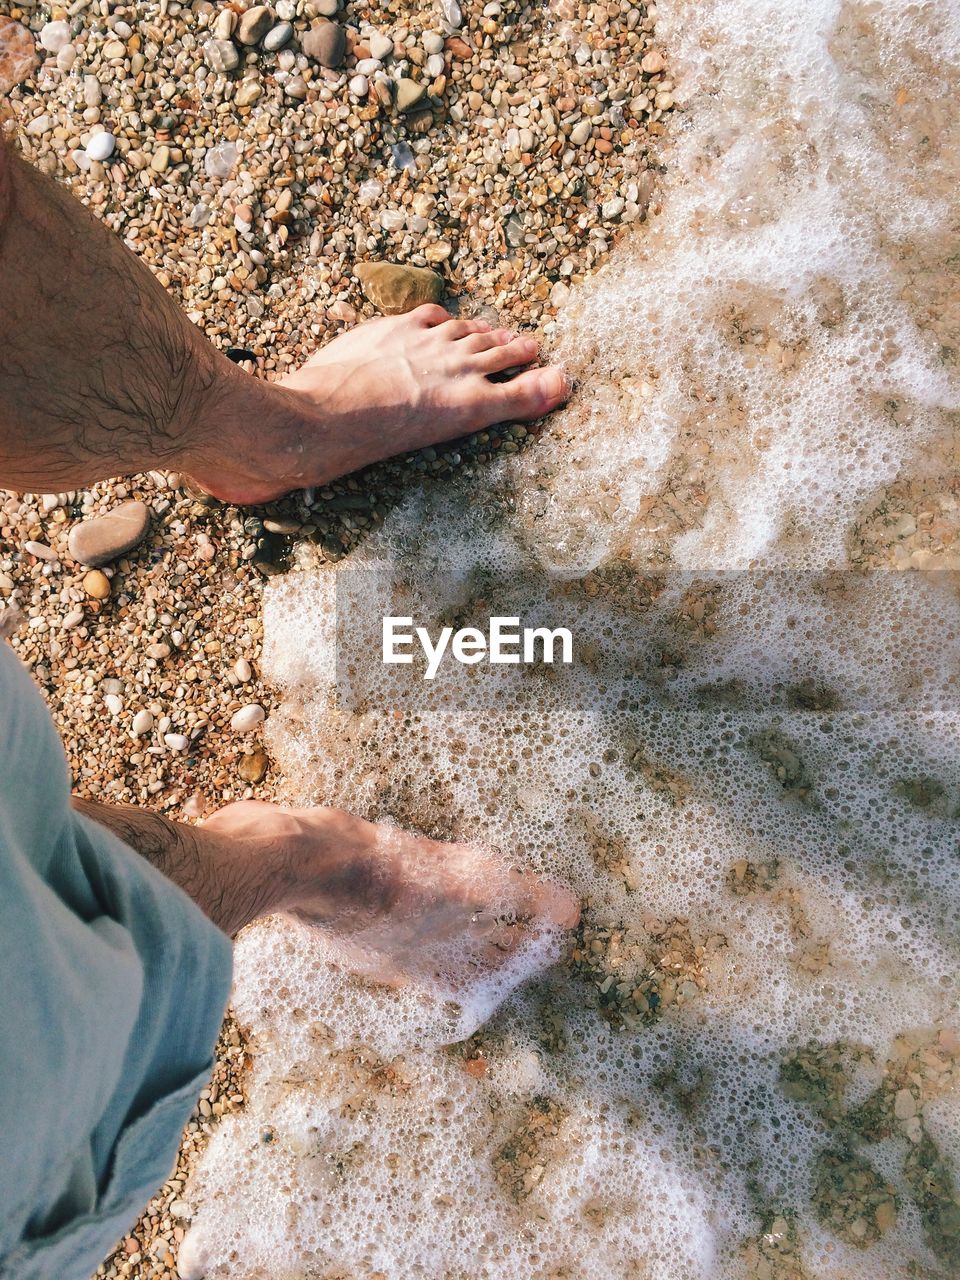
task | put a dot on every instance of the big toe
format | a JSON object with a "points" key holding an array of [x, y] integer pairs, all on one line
{"points": [[531, 394]]}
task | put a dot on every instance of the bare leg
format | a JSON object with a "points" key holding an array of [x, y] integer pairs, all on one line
{"points": [[387, 896], [103, 375]]}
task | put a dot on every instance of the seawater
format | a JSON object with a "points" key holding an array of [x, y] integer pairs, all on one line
{"points": [[745, 1063]]}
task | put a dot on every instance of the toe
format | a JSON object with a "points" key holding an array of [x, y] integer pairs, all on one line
{"points": [[507, 355], [530, 394], [429, 315], [474, 343]]}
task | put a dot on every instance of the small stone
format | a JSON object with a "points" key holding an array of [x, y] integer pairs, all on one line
{"points": [[160, 160], [40, 550], [113, 50], [96, 585], [326, 8], [142, 723], [278, 36], [580, 132], [380, 46], [247, 718], [221, 55], [653, 61], [158, 651], [176, 741], [242, 670], [100, 539], [39, 125], [409, 93], [100, 146], [434, 65], [54, 35], [432, 42], [253, 766], [248, 91], [18, 54], [92, 91], [296, 87], [254, 24], [226, 24], [613, 208], [359, 86], [66, 58], [326, 42], [395, 289], [451, 13], [114, 703], [72, 619], [220, 160], [904, 1105]]}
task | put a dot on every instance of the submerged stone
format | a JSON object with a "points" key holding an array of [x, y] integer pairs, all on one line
{"points": [[395, 289]]}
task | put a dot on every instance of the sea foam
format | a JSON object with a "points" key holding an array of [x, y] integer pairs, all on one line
{"points": [[745, 1064]]}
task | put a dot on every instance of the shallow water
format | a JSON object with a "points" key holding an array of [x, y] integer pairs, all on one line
{"points": [[745, 1065]]}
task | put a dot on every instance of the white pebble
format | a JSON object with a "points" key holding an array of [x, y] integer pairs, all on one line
{"points": [[381, 46], [359, 86], [368, 66], [100, 146], [142, 723], [432, 42], [92, 91], [176, 741], [247, 718], [66, 58], [54, 35], [114, 703], [612, 208], [72, 619], [39, 125], [242, 670], [40, 550]]}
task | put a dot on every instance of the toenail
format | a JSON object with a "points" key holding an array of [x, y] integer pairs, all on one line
{"points": [[553, 384], [529, 345]]}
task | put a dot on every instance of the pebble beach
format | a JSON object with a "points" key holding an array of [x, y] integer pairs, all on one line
{"points": [[253, 156]]}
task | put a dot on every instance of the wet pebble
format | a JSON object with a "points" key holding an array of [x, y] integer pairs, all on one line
{"points": [[101, 539], [247, 718]]}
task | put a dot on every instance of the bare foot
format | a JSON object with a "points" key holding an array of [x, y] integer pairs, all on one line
{"points": [[388, 386], [389, 899]]}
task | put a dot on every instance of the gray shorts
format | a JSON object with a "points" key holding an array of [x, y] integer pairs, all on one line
{"points": [[112, 989]]}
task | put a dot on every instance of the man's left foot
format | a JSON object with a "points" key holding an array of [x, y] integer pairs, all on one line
{"points": [[393, 384]]}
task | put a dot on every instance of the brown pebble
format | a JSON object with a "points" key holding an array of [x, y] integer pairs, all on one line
{"points": [[253, 766], [100, 539], [96, 585]]}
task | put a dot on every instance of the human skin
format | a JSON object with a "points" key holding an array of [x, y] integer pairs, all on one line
{"points": [[101, 374]]}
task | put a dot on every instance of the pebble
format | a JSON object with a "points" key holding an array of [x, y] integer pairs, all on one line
{"points": [[326, 42], [581, 132], [380, 46], [409, 93], [242, 670], [434, 66], [114, 703], [54, 35], [92, 91], [176, 741], [225, 24], [219, 161], [253, 766], [221, 55], [326, 8], [395, 289], [160, 160], [100, 539], [254, 24], [97, 585], [100, 146], [359, 86], [248, 91], [247, 718], [613, 208], [18, 54], [142, 723], [432, 42], [40, 550], [278, 36]]}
